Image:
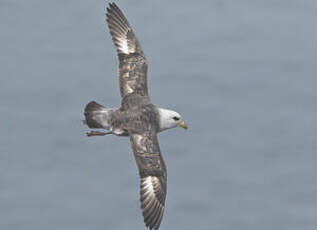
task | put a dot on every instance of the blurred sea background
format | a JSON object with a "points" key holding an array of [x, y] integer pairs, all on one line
{"points": [[241, 73]]}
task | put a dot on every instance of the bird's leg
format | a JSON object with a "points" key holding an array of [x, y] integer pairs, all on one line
{"points": [[97, 133]]}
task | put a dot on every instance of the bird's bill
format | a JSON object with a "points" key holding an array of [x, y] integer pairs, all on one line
{"points": [[183, 125]]}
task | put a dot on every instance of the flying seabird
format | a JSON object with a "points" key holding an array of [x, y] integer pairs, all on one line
{"points": [[137, 118]]}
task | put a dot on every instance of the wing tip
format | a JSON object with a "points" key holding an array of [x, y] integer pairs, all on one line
{"points": [[119, 28], [151, 206], [111, 5], [114, 10]]}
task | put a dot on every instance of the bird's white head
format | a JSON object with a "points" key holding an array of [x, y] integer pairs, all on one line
{"points": [[170, 119]]}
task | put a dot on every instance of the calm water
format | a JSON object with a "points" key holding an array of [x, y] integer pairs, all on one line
{"points": [[242, 74]]}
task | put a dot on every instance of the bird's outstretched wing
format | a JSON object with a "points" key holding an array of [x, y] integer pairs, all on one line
{"points": [[132, 62], [153, 177]]}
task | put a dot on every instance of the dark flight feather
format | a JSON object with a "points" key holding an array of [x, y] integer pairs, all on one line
{"points": [[153, 177], [132, 62]]}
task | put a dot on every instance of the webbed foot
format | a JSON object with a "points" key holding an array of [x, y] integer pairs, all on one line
{"points": [[97, 133]]}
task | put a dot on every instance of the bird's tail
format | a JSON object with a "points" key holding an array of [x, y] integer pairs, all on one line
{"points": [[97, 116]]}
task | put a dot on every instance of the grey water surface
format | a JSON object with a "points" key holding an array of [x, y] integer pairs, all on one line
{"points": [[241, 73]]}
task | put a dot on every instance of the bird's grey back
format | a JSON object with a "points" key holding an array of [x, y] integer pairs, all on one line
{"points": [[136, 115]]}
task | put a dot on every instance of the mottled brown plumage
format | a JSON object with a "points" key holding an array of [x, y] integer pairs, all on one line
{"points": [[132, 62], [143, 129], [137, 117]]}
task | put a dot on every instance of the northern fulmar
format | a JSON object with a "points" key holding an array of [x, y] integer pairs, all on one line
{"points": [[137, 118]]}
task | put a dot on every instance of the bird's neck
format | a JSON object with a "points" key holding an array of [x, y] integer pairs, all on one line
{"points": [[164, 116]]}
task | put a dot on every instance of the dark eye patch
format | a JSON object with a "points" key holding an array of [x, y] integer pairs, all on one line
{"points": [[176, 118]]}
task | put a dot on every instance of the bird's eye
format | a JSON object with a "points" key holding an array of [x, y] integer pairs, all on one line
{"points": [[176, 118]]}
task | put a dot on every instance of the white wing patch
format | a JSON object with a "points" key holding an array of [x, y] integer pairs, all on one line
{"points": [[147, 184], [151, 207], [119, 30], [123, 45]]}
